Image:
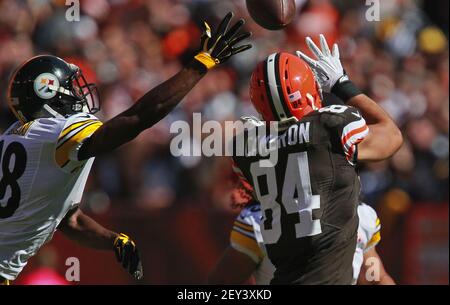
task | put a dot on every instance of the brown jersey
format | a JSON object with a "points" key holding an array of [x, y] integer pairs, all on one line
{"points": [[309, 197]]}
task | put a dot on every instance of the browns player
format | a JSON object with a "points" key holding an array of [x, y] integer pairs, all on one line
{"points": [[309, 197]]}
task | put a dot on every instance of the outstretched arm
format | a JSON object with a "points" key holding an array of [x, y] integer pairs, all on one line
{"points": [[145, 113], [373, 271], [157, 103], [384, 138], [82, 229]]}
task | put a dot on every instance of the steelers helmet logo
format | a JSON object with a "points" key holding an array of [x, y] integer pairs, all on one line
{"points": [[46, 86]]}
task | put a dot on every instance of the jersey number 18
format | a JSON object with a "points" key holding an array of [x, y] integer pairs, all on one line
{"points": [[10, 174]]}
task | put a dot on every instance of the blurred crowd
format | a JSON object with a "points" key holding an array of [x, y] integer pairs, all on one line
{"points": [[129, 46]]}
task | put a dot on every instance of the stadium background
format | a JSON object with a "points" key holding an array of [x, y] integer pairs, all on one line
{"points": [[178, 209]]}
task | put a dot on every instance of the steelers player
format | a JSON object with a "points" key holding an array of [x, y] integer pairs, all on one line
{"points": [[309, 194], [246, 255], [47, 155]]}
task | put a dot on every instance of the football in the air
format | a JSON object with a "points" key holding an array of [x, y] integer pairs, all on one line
{"points": [[272, 14]]}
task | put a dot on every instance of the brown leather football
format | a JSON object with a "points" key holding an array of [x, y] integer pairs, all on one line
{"points": [[272, 14]]}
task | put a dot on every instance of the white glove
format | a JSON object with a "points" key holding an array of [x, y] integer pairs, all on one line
{"points": [[328, 67]]}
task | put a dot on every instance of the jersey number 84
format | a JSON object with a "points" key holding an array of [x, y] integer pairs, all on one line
{"points": [[296, 197]]}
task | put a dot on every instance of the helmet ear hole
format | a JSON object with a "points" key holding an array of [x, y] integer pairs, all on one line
{"points": [[286, 72]]}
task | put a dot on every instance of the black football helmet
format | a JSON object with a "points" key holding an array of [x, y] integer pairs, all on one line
{"points": [[46, 86]]}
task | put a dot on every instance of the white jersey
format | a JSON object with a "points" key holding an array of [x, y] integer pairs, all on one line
{"points": [[246, 238], [41, 179], [369, 235]]}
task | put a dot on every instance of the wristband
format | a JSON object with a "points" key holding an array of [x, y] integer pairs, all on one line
{"points": [[345, 89], [207, 60]]}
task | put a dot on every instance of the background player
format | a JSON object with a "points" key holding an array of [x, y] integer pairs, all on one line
{"points": [[47, 155], [309, 197], [246, 255]]}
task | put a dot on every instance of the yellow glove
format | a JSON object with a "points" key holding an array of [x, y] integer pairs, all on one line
{"points": [[218, 48], [128, 255]]}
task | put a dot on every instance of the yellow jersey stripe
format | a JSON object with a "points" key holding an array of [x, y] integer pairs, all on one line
{"points": [[64, 149], [21, 130], [24, 129], [246, 242], [375, 239], [243, 226], [74, 126], [69, 136], [246, 233]]}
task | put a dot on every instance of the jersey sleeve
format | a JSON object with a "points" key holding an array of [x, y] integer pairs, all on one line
{"points": [[76, 130], [243, 238], [351, 127], [371, 225], [43, 130]]}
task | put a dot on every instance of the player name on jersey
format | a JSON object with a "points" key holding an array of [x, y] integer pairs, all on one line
{"points": [[259, 143], [296, 134]]}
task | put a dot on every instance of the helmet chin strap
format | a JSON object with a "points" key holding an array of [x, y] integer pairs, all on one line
{"points": [[54, 113], [85, 109], [286, 123], [311, 101]]}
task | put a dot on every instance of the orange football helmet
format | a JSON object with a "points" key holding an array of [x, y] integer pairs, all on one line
{"points": [[283, 87]]}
